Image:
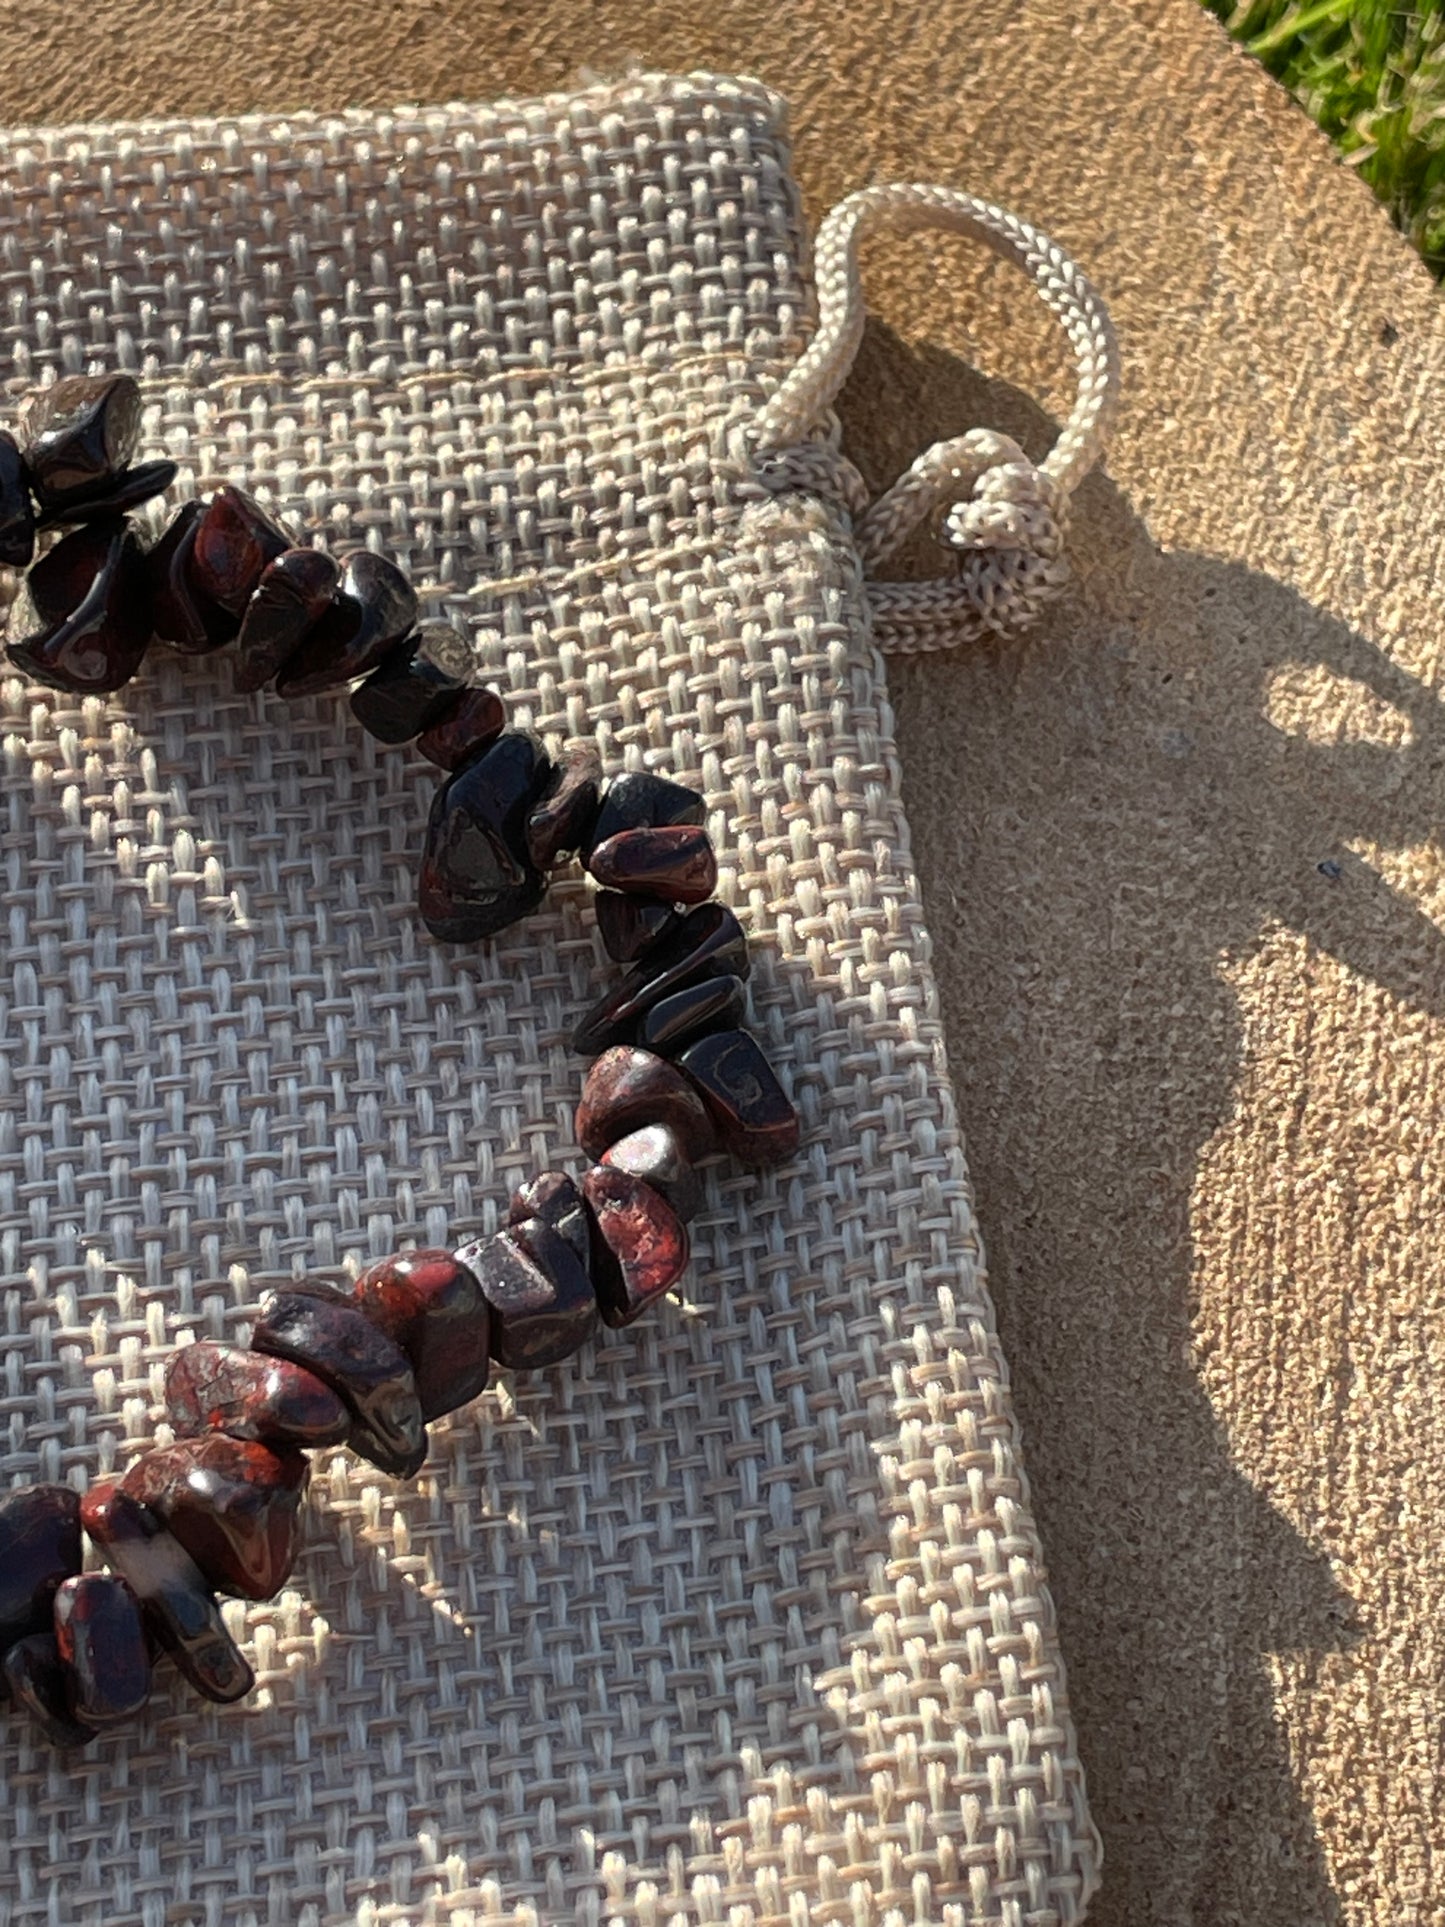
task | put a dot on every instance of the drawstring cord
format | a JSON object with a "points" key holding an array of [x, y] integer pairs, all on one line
{"points": [[1005, 515]]}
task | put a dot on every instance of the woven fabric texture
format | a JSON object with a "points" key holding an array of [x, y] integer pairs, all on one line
{"points": [[740, 1615]]}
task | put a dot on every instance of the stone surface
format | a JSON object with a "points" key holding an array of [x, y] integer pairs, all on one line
{"points": [[373, 608], [235, 542], [639, 800], [179, 616], [705, 942], [674, 864], [627, 1088], [126, 492], [216, 1388], [553, 1198], [717, 1003], [627, 925], [653, 1154], [431, 1306], [100, 1636], [562, 818], [640, 1247], [79, 621], [328, 1333], [39, 1547], [416, 683], [292, 596], [754, 1116], [543, 1304], [39, 1683], [233, 1504], [471, 725], [178, 1605], [79, 434], [17, 512], [476, 875]]}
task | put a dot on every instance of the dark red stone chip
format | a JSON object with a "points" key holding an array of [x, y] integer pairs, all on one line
{"points": [[640, 800], [215, 1388], [563, 815], [329, 1333], [717, 1003], [753, 1114], [100, 1636], [553, 1198], [673, 864], [540, 1294], [80, 619], [179, 616], [705, 942], [177, 1603], [476, 874], [627, 1088], [292, 596], [627, 925], [40, 1683], [471, 724], [234, 1504], [80, 433], [640, 1249], [416, 683], [235, 541], [39, 1547], [373, 608], [654, 1155], [126, 492], [432, 1307]]}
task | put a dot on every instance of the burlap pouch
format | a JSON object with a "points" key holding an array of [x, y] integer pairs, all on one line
{"points": [[740, 1615]]}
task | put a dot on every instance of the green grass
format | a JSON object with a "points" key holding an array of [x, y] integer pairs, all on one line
{"points": [[1373, 77]]}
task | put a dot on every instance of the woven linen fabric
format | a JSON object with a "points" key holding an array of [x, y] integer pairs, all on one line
{"points": [[739, 1615]]}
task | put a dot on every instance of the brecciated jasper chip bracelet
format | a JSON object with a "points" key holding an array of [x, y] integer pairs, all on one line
{"points": [[676, 1077]]}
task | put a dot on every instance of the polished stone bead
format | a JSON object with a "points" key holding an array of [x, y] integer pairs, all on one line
{"points": [[640, 1249], [716, 1003], [235, 542], [128, 490], [328, 1333], [79, 434], [214, 1388], [627, 1088], [294, 593], [472, 724], [553, 1198], [638, 800], [80, 617], [562, 817], [706, 942], [654, 1155], [674, 864], [179, 616], [17, 514], [39, 1547], [234, 1504], [543, 1304], [432, 1307], [39, 1681], [754, 1117], [178, 1604], [476, 875], [414, 684], [629, 924], [100, 1636], [373, 608]]}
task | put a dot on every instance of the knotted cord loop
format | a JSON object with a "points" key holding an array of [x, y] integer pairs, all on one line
{"points": [[1006, 516]]}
